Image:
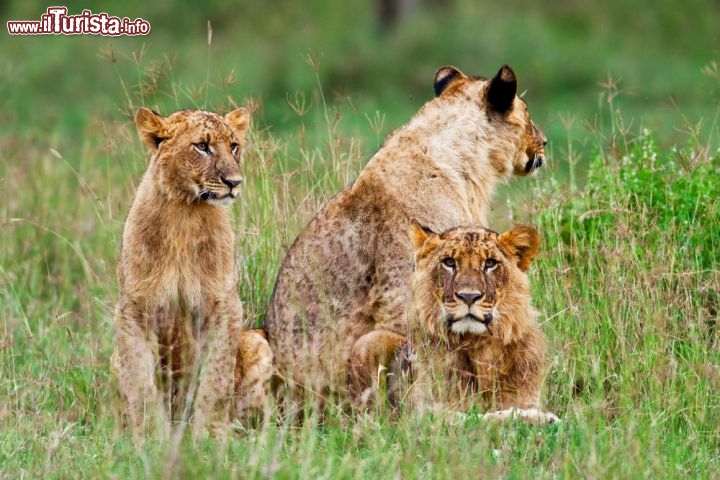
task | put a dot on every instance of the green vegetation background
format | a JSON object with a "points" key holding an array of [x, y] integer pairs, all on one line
{"points": [[627, 284]]}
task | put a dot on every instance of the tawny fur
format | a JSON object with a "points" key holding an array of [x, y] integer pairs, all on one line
{"points": [[346, 275], [253, 374], [474, 276], [178, 317]]}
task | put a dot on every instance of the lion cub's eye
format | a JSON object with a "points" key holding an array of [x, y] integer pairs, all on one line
{"points": [[202, 147], [234, 148], [449, 263], [490, 263]]}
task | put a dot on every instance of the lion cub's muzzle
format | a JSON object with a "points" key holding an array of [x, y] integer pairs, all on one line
{"points": [[470, 312], [536, 162], [233, 183], [222, 193], [536, 153]]}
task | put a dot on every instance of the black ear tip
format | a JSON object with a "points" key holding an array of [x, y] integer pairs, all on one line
{"points": [[443, 77], [507, 74], [502, 89], [442, 71], [427, 230], [422, 227]]}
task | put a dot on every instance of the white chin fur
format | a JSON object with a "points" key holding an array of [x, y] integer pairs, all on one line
{"points": [[221, 201], [468, 326]]}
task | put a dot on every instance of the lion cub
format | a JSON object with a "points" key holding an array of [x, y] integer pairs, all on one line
{"points": [[473, 335], [339, 307], [178, 317]]}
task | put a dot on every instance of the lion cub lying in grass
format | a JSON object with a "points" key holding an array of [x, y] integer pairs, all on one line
{"points": [[473, 337], [178, 317]]}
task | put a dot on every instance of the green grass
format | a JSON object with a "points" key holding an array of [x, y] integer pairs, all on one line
{"points": [[629, 210]]}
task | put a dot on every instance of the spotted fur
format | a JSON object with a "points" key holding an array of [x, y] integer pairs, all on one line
{"points": [[178, 316], [340, 300], [474, 339]]}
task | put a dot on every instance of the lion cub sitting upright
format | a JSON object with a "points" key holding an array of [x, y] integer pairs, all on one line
{"points": [[473, 337], [339, 308], [179, 315]]}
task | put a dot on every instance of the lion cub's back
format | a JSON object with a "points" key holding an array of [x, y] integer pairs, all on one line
{"points": [[326, 273]]}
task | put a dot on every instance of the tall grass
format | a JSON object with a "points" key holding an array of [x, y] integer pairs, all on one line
{"points": [[627, 282]]}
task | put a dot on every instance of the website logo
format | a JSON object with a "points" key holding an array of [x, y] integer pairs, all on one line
{"points": [[56, 21]]}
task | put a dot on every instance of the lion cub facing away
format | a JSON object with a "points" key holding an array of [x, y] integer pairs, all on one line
{"points": [[340, 301], [178, 317], [473, 335]]}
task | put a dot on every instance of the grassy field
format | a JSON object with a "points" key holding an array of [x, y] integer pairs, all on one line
{"points": [[628, 281]]}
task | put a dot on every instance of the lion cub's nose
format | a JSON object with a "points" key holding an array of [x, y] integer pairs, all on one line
{"points": [[469, 297], [231, 182]]}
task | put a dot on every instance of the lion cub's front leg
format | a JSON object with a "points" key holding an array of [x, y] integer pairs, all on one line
{"points": [[520, 382], [212, 403], [253, 374], [136, 357], [370, 359], [427, 382]]}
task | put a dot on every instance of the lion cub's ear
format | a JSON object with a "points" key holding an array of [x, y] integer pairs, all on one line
{"points": [[444, 77], [502, 90], [151, 127], [521, 244], [239, 120], [423, 239]]}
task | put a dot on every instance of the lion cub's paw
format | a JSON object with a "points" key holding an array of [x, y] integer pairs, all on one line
{"points": [[532, 416]]}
